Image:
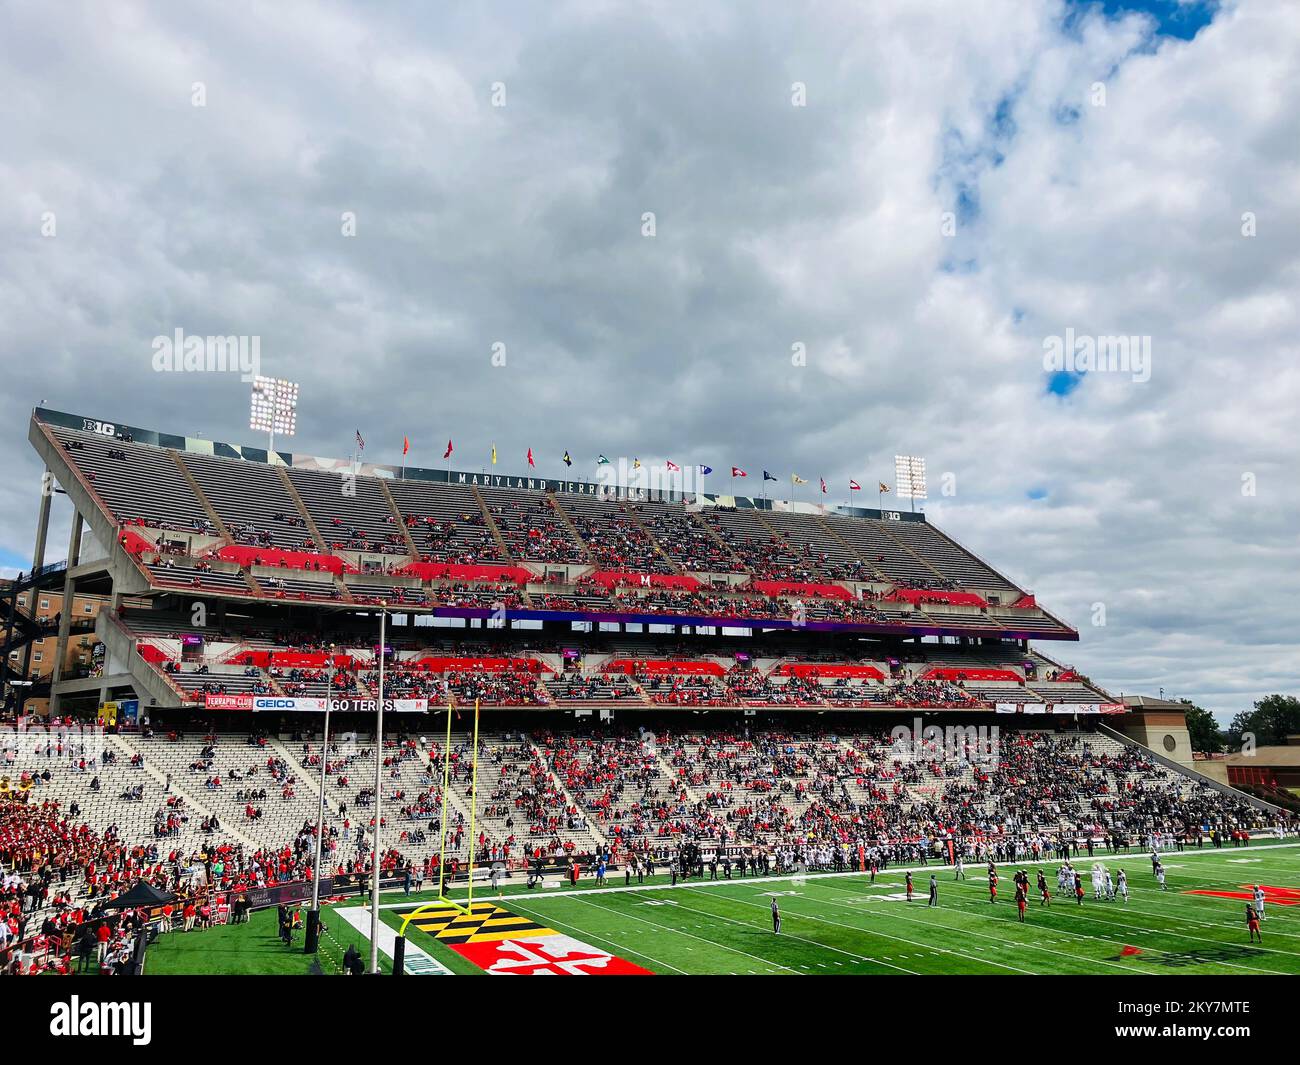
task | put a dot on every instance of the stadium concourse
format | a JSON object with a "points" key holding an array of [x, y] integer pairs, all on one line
{"points": [[659, 686]]}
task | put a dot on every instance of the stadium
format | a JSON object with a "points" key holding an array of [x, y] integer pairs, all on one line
{"points": [[648, 489], [623, 730]]}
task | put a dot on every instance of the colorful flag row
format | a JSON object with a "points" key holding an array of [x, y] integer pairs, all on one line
{"points": [[671, 466]]}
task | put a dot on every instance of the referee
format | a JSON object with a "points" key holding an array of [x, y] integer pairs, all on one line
{"points": [[776, 917]]}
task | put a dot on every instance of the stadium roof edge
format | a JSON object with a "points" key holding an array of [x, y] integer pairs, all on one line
{"points": [[248, 453]]}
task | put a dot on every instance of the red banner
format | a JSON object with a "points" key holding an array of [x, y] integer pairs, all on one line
{"points": [[245, 555], [811, 591], [438, 664], [827, 669], [662, 667], [431, 571], [929, 595], [947, 673], [613, 578]]}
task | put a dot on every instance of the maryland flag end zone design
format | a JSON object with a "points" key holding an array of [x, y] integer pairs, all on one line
{"points": [[502, 943]]}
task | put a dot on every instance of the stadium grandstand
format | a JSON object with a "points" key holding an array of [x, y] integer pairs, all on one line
{"points": [[645, 672]]}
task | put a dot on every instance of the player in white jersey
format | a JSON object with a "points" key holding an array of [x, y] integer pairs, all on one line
{"points": [[1160, 876], [1122, 885], [960, 868], [1096, 881], [1110, 887], [1259, 901]]}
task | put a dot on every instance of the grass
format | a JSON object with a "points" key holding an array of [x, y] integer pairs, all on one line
{"points": [[253, 949], [844, 924]]}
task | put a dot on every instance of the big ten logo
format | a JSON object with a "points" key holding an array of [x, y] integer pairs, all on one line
{"points": [[1098, 615], [47, 484], [799, 354], [1248, 744], [948, 484], [497, 620], [199, 94], [1247, 223], [498, 356], [648, 224], [102, 428], [1097, 94], [1248, 485], [348, 223], [349, 482], [948, 224], [49, 224], [199, 614], [798, 94], [498, 94], [800, 878]]}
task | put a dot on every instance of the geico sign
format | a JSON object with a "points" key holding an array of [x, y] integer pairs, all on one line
{"points": [[271, 703]]}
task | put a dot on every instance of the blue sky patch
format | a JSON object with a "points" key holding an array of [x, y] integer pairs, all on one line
{"points": [[1063, 382], [1172, 18]]}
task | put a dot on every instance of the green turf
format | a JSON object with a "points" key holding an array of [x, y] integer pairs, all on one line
{"points": [[252, 949], [845, 924]]}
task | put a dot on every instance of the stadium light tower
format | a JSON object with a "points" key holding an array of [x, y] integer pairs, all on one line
{"points": [[909, 477], [273, 408]]}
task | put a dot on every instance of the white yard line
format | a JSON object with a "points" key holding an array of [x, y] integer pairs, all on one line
{"points": [[857, 928], [683, 932], [979, 911]]}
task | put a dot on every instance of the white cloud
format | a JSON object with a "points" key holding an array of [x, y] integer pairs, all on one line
{"points": [[776, 224]]}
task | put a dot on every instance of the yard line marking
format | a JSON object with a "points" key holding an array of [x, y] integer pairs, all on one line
{"points": [[858, 928], [786, 935], [981, 911], [671, 928]]}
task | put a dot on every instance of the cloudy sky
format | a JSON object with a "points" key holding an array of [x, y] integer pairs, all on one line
{"points": [[919, 194]]}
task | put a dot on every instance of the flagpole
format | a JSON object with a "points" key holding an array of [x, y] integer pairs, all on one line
{"points": [[473, 809], [379, 768], [446, 769]]}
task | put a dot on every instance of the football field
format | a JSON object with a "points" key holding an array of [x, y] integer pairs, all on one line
{"points": [[843, 923]]}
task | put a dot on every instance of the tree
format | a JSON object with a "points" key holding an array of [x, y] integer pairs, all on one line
{"points": [[1202, 729], [1270, 722], [1275, 718]]}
